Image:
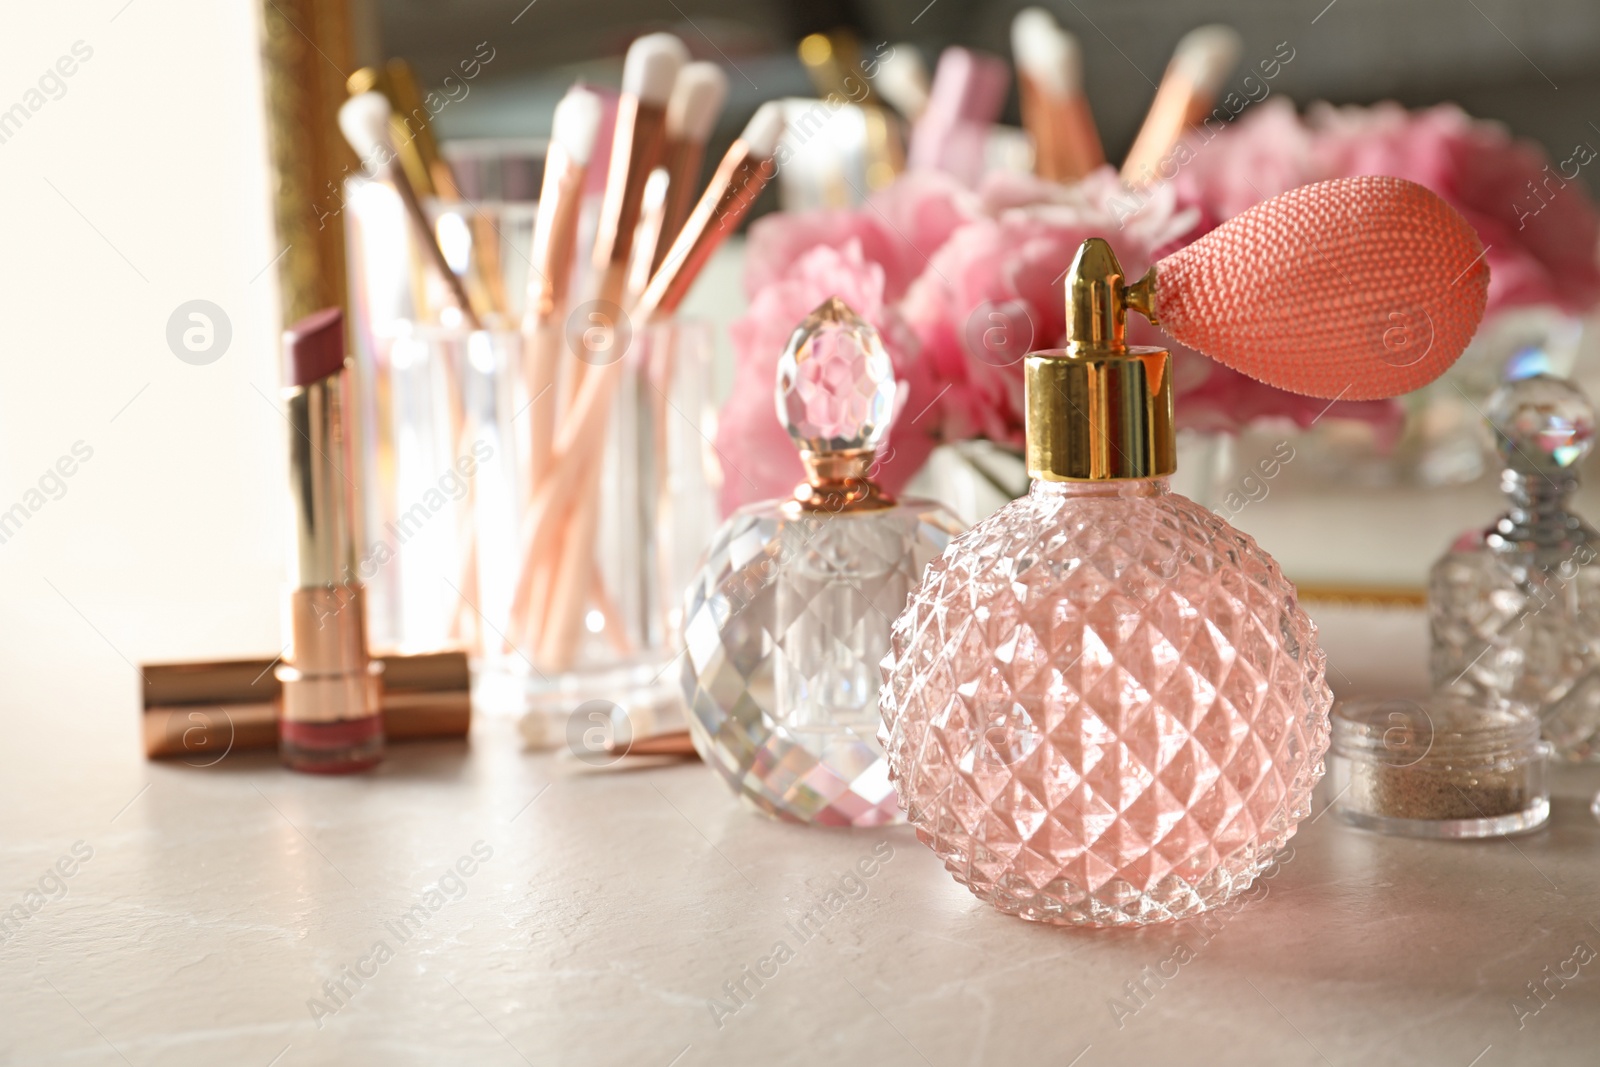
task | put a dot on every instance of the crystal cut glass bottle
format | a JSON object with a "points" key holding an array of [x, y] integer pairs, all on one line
{"points": [[1514, 610], [1103, 705], [789, 615]]}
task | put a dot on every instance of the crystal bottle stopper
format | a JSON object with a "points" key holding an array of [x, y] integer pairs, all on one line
{"points": [[1543, 427], [836, 397]]}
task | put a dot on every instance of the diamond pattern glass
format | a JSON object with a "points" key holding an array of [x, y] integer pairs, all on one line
{"points": [[1514, 610], [1104, 706], [1522, 623], [790, 613], [784, 629]]}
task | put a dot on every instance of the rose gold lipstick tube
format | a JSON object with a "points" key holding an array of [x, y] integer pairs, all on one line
{"points": [[332, 722]]}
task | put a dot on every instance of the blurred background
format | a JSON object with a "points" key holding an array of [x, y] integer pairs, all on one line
{"points": [[1527, 63]]}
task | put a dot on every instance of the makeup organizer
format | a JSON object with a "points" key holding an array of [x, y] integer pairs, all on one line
{"points": [[444, 432], [534, 417]]}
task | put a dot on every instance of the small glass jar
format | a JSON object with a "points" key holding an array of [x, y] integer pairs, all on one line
{"points": [[1450, 769]]}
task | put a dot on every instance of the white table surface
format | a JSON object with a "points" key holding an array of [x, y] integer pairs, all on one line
{"points": [[616, 904]]}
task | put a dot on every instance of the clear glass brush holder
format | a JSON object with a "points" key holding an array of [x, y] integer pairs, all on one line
{"points": [[487, 243], [436, 476], [448, 420], [626, 545]]}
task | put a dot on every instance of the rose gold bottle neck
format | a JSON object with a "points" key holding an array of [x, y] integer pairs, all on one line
{"points": [[839, 482]]}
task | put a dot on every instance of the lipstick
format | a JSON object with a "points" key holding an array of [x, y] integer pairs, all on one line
{"points": [[201, 712], [332, 721]]}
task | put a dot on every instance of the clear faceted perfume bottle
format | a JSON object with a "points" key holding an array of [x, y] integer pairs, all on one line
{"points": [[790, 613], [1103, 705], [1514, 610]]}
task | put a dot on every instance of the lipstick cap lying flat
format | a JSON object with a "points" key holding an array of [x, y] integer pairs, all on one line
{"points": [[201, 711]]}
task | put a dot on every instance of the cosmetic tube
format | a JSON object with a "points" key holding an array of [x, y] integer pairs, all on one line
{"points": [[332, 722]]}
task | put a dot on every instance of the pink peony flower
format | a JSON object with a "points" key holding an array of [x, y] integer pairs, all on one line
{"points": [[962, 283], [777, 241], [900, 227], [1540, 227], [923, 208], [1225, 173], [758, 458]]}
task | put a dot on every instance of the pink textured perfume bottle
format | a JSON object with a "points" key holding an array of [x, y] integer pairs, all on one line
{"points": [[1104, 705]]}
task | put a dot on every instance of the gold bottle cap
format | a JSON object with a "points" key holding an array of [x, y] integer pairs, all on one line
{"points": [[1099, 410]]}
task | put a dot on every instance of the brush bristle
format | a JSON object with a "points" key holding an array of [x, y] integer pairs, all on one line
{"points": [[1207, 56], [696, 101], [761, 133], [652, 66], [575, 124], [1046, 53], [903, 80], [364, 121], [1356, 289]]}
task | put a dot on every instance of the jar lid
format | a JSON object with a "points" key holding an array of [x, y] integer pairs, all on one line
{"points": [[1447, 729]]}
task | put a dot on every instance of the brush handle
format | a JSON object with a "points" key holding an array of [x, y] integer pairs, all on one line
{"points": [[430, 246]]}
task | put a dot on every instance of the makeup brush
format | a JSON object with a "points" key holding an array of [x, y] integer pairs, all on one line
{"points": [[697, 99], [1200, 66], [744, 171], [364, 121], [1054, 109], [407, 100], [903, 81], [485, 276], [969, 89], [637, 146], [572, 137], [431, 175], [401, 134], [647, 241]]}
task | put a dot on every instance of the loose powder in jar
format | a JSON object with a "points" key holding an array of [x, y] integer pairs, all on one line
{"points": [[1447, 769]]}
